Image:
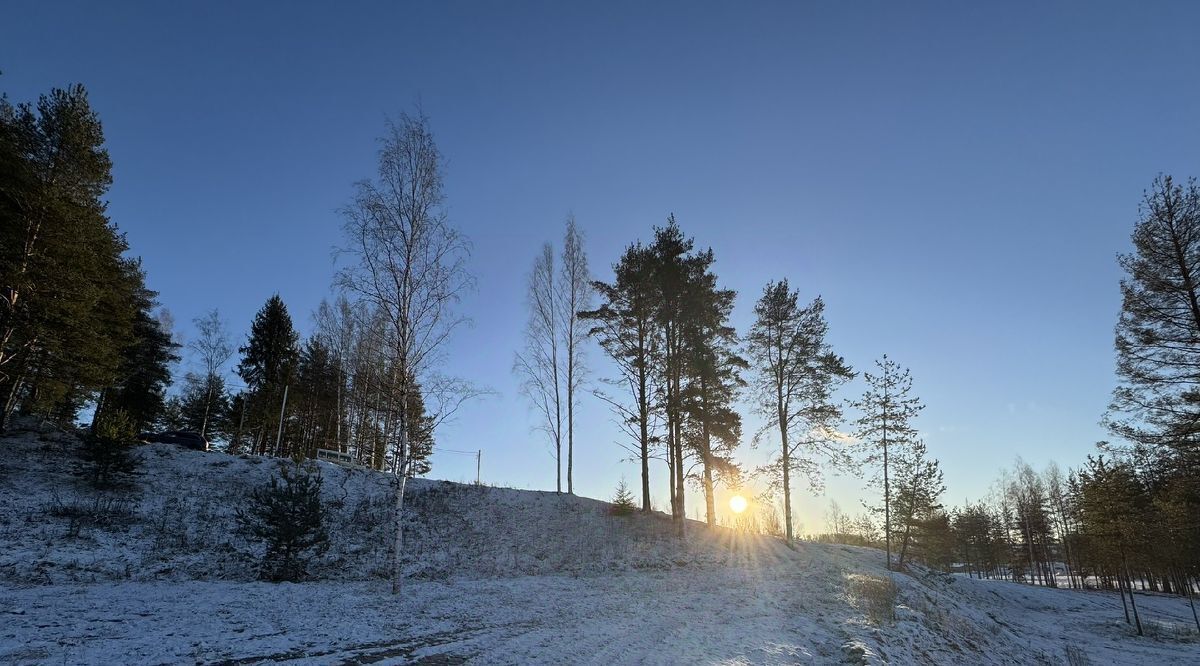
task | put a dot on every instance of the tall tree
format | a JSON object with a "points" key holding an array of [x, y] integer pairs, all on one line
{"points": [[919, 485], [539, 364], [798, 374], [409, 264], [66, 309], [714, 379], [213, 349], [204, 405], [1157, 402], [145, 369], [884, 427], [675, 267], [268, 360], [575, 286], [625, 326]]}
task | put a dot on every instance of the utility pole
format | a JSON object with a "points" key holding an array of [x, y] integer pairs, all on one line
{"points": [[478, 463], [279, 431]]}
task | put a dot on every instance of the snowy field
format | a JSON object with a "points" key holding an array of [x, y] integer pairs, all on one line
{"points": [[495, 576]]}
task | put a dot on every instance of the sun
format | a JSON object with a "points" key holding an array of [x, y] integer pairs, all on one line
{"points": [[737, 503]]}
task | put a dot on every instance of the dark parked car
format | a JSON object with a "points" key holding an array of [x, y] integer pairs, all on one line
{"points": [[191, 440]]}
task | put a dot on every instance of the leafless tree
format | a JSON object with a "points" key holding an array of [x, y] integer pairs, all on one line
{"points": [[575, 287], [538, 364], [408, 265], [214, 349]]}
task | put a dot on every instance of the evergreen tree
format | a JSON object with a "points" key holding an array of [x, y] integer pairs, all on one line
{"points": [[625, 326], [622, 501], [204, 406], [66, 308], [315, 399], [918, 487], [1157, 402], [797, 376], [420, 426], [268, 360], [884, 428], [713, 428], [145, 369]]}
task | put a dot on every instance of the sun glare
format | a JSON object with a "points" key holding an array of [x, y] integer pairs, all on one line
{"points": [[737, 503]]}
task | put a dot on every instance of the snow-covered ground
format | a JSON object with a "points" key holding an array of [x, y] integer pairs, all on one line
{"points": [[494, 576]]}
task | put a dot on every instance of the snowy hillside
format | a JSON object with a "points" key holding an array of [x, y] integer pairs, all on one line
{"points": [[159, 574]]}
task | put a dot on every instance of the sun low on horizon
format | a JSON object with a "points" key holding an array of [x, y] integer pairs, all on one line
{"points": [[738, 504]]}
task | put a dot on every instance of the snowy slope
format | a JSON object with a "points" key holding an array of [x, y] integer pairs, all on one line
{"points": [[495, 576]]}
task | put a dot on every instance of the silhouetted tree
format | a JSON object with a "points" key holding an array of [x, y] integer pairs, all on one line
{"points": [[797, 376]]}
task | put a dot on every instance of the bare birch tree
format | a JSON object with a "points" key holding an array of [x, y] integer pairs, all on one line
{"points": [[409, 265], [575, 286], [214, 349], [538, 364]]}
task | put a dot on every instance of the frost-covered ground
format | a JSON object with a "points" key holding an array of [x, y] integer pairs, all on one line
{"points": [[495, 576]]}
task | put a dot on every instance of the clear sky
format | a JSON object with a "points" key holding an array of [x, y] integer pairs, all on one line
{"points": [[954, 179]]}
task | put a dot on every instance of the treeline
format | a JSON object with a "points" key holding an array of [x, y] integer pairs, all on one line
{"points": [[79, 328], [366, 382], [682, 372], [77, 323]]}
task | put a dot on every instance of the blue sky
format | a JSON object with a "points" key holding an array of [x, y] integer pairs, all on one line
{"points": [[954, 179]]}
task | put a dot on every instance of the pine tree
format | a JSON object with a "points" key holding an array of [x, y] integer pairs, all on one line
{"points": [[623, 502], [204, 406], [884, 428], [625, 326], [268, 360], [145, 368], [713, 368], [66, 306], [918, 487], [1157, 402], [797, 376]]}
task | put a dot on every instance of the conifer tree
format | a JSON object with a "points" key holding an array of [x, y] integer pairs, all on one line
{"points": [[713, 427], [144, 374], [797, 374], [884, 428], [204, 405], [625, 326], [1157, 402], [918, 487], [268, 360], [66, 306]]}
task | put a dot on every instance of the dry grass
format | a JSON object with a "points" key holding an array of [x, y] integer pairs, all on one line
{"points": [[874, 596]]}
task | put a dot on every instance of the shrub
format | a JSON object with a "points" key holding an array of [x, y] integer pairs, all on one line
{"points": [[874, 596], [109, 449], [623, 503], [288, 517], [101, 511]]}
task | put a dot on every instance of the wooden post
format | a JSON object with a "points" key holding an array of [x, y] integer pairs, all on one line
{"points": [[279, 431]]}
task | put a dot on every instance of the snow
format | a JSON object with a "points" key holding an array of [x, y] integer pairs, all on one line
{"points": [[496, 576]]}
